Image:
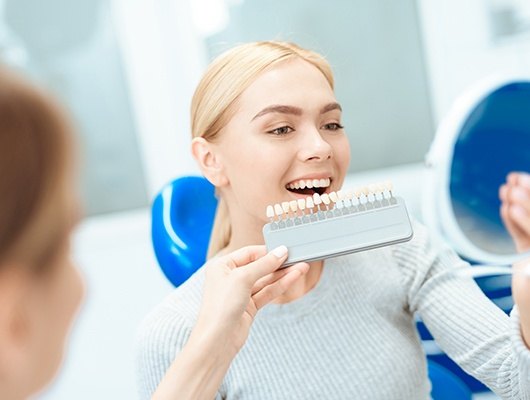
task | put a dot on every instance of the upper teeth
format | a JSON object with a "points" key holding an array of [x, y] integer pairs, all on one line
{"points": [[309, 183]]}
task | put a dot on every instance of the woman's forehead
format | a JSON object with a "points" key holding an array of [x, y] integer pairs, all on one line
{"points": [[296, 83]]}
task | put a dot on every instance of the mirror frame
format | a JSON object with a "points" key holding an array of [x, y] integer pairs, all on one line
{"points": [[437, 209]]}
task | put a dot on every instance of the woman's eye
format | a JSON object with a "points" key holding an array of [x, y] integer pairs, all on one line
{"points": [[282, 130], [333, 126]]}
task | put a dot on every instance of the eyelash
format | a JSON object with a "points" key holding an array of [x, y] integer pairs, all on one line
{"points": [[336, 127]]}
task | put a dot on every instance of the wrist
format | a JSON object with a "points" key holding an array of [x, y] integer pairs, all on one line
{"points": [[215, 341]]}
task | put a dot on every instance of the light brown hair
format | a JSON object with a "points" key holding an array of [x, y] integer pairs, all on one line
{"points": [[35, 152]]}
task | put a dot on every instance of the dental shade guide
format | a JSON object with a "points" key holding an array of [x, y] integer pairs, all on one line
{"points": [[338, 223]]}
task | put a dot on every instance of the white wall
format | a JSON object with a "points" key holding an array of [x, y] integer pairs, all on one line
{"points": [[164, 59], [460, 49]]}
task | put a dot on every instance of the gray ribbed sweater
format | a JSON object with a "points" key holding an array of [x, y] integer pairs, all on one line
{"points": [[353, 336]]}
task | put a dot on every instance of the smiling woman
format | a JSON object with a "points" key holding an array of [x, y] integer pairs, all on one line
{"points": [[267, 129], [270, 122]]}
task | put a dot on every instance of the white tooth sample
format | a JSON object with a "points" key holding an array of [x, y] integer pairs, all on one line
{"points": [[270, 212], [333, 196], [309, 202], [341, 194], [293, 205], [317, 200], [285, 207], [381, 187], [309, 184], [323, 183], [278, 210], [372, 188], [389, 186], [325, 199], [365, 190], [357, 192], [349, 194], [316, 183], [301, 204]]}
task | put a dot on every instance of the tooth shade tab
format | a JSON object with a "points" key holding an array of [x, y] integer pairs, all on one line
{"points": [[365, 191], [301, 204], [340, 203]]}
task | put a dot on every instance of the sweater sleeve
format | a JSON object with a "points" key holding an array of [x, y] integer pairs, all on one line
{"points": [[161, 337], [468, 326]]}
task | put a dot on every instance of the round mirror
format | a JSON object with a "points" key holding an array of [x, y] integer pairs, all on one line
{"points": [[485, 136]]}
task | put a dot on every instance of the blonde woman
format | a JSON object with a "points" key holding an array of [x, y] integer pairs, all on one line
{"points": [[40, 287], [265, 121]]}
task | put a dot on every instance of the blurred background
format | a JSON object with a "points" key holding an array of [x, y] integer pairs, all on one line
{"points": [[127, 70]]}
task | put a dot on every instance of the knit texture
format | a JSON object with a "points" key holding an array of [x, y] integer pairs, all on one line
{"points": [[353, 336]]}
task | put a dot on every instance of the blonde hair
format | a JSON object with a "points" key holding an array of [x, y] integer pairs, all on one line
{"points": [[223, 82]]}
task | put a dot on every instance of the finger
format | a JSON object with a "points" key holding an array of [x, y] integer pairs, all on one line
{"points": [[270, 278], [524, 180], [503, 193], [276, 289], [270, 262], [512, 178], [274, 276], [244, 255], [520, 196], [520, 218], [512, 228]]}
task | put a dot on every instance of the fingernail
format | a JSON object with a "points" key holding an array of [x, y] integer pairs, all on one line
{"points": [[279, 251]]}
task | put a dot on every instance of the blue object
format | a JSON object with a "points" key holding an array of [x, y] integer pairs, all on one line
{"points": [[182, 218], [493, 141], [446, 385]]}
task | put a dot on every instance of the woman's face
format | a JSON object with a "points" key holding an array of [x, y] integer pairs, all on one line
{"points": [[286, 132]]}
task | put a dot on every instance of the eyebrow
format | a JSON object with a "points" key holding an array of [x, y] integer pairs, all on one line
{"points": [[283, 109]]}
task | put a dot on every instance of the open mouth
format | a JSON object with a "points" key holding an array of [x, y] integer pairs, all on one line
{"points": [[308, 187]]}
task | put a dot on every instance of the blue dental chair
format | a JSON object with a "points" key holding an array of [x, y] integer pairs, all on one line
{"points": [[182, 219]]}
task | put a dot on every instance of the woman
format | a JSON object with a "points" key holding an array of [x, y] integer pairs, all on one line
{"points": [[40, 287], [265, 121]]}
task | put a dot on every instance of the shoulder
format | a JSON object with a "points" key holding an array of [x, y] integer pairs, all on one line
{"points": [[167, 327], [178, 309]]}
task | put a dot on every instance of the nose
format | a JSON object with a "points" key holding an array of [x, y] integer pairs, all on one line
{"points": [[314, 147]]}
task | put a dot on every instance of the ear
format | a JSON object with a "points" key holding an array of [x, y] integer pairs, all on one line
{"points": [[14, 323], [209, 161]]}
